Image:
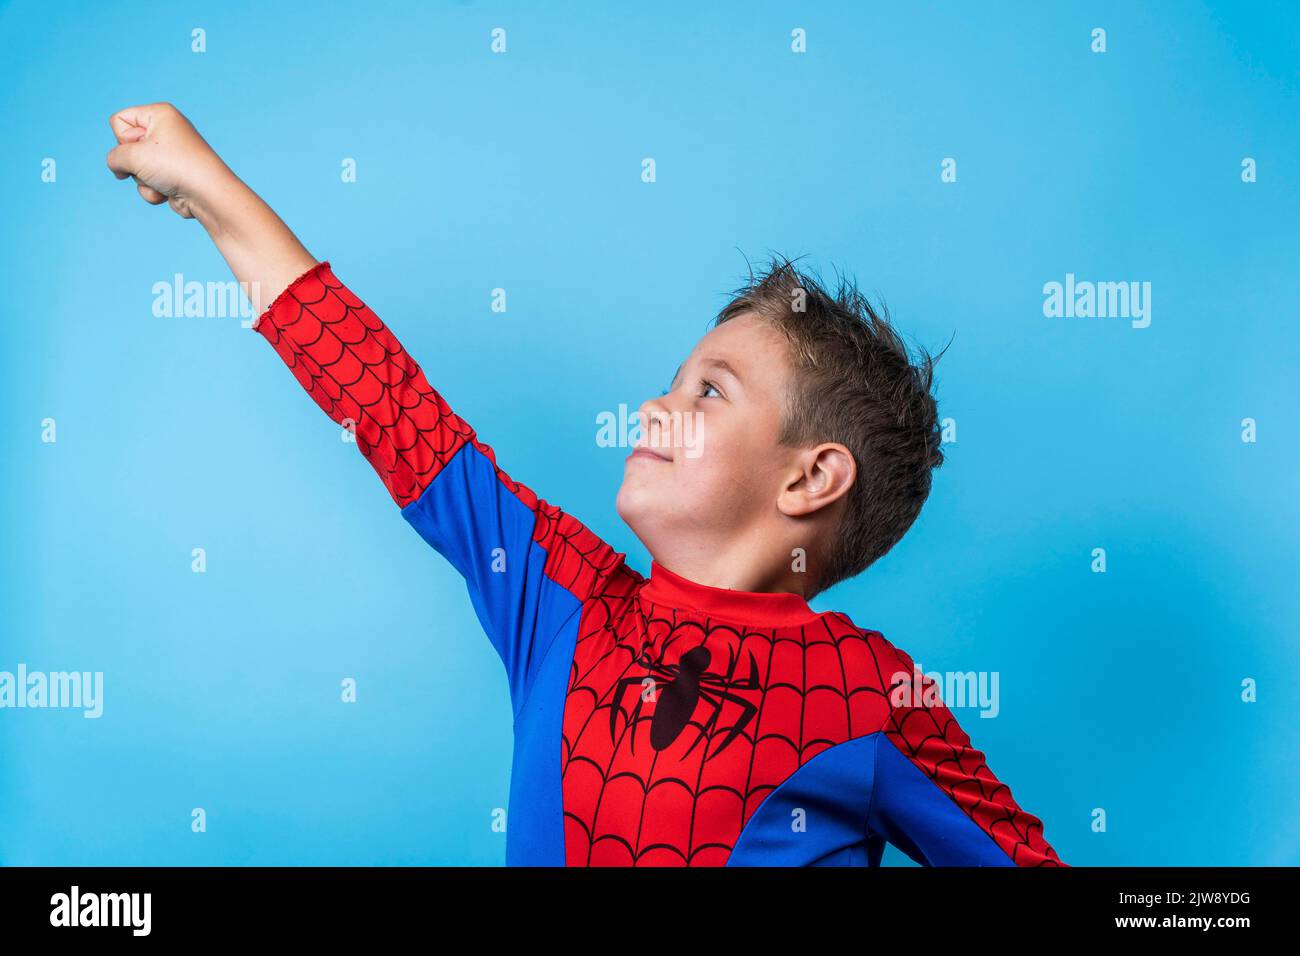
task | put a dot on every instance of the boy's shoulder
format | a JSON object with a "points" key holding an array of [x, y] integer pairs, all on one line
{"points": [[840, 656], [886, 659]]}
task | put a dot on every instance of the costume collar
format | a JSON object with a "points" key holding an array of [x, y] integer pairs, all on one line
{"points": [[749, 607]]}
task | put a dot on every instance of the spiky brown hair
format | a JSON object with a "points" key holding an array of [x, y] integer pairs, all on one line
{"points": [[855, 383]]}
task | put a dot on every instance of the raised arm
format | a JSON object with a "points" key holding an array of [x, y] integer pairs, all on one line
{"points": [[527, 565]]}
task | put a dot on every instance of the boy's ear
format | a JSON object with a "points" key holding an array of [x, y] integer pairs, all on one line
{"points": [[822, 476]]}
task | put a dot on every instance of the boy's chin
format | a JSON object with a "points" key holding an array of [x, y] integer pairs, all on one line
{"points": [[626, 504], [634, 506]]}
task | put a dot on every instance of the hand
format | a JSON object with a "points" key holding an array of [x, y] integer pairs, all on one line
{"points": [[170, 162]]}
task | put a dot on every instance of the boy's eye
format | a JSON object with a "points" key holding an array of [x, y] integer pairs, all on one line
{"points": [[706, 390]]}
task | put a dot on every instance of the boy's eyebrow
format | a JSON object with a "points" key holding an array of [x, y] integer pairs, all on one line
{"points": [[718, 363], [723, 365]]}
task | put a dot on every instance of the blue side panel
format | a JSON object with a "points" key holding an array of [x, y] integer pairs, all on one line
{"points": [[477, 524], [839, 807], [467, 514], [817, 816], [913, 812], [535, 825]]}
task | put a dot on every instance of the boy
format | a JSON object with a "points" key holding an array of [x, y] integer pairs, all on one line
{"points": [[704, 715]]}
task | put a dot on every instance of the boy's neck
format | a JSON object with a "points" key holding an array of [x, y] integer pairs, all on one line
{"points": [[740, 567]]}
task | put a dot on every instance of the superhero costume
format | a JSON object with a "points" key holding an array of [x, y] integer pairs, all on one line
{"points": [[657, 721]]}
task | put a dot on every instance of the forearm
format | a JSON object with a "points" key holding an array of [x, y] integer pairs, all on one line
{"points": [[262, 252]]}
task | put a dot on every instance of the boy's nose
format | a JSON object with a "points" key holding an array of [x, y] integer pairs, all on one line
{"points": [[656, 423]]}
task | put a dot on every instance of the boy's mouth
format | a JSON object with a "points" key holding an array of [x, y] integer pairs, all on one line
{"points": [[648, 453]]}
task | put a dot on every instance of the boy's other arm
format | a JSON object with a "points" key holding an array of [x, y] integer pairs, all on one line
{"points": [[934, 795]]}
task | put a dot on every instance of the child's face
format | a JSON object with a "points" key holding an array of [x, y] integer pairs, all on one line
{"points": [[707, 468]]}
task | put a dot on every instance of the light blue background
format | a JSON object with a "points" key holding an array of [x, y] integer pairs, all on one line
{"points": [[1118, 691]]}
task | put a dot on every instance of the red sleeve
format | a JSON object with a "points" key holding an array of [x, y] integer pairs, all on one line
{"points": [[358, 373]]}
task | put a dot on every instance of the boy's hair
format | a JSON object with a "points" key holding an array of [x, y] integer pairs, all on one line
{"points": [[854, 383]]}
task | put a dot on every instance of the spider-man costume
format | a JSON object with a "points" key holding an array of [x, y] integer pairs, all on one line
{"points": [[657, 721]]}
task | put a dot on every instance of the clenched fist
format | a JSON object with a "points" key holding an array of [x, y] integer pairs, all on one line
{"points": [[171, 163], [162, 151]]}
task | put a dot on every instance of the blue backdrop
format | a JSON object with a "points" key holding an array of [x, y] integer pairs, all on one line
{"points": [[1121, 717]]}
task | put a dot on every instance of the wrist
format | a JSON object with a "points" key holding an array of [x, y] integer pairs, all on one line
{"points": [[221, 201]]}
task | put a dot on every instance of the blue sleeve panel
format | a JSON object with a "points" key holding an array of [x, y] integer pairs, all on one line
{"points": [[470, 517], [839, 807]]}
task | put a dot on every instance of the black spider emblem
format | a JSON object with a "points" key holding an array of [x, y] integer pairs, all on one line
{"points": [[684, 685]]}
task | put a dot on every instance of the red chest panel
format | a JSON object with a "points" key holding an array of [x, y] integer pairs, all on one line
{"points": [[678, 725]]}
